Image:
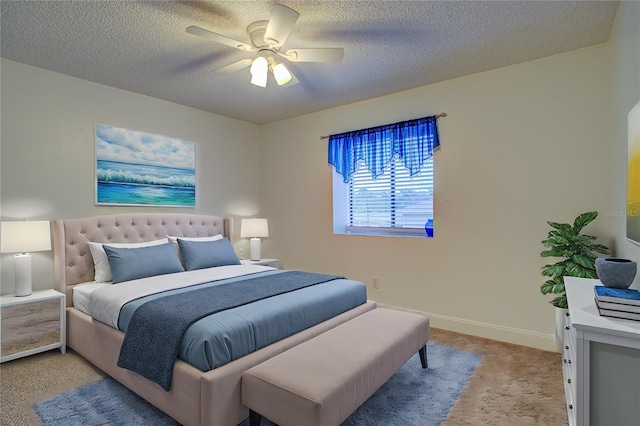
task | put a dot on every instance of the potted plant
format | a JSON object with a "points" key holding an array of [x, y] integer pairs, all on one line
{"points": [[577, 253], [578, 260]]}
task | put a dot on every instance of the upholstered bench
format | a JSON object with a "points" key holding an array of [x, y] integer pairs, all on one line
{"points": [[324, 380]]}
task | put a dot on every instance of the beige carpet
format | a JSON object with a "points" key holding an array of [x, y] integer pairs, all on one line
{"points": [[513, 385]]}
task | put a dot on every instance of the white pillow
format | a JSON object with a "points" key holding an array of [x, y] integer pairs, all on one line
{"points": [[101, 262], [174, 240], [214, 238]]}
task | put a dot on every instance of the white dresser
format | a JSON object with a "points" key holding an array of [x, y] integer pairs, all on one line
{"points": [[601, 362]]}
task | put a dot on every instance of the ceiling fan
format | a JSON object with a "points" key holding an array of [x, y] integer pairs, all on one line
{"points": [[267, 38]]}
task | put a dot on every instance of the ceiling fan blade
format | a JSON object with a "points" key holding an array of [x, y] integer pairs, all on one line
{"points": [[315, 55], [236, 66], [201, 32], [280, 25]]}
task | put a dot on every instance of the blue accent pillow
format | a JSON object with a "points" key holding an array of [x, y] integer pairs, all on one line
{"points": [[133, 263], [207, 254]]}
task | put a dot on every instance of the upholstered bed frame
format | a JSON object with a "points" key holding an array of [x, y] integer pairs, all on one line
{"points": [[196, 397]]}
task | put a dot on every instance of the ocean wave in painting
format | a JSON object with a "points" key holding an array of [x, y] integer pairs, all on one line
{"points": [[133, 178], [141, 174], [140, 184]]}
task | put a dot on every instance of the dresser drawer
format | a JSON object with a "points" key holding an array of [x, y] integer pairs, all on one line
{"points": [[30, 326]]}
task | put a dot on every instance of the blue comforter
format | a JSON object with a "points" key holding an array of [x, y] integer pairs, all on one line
{"points": [[230, 334]]}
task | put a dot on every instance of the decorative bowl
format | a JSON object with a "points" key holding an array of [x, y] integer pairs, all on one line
{"points": [[615, 272]]}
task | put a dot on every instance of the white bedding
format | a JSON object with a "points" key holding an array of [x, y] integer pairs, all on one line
{"points": [[104, 303], [81, 294]]}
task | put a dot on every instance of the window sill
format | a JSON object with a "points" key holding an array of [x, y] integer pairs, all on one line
{"points": [[376, 233]]}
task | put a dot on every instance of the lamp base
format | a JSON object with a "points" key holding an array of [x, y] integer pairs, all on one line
{"points": [[23, 274], [254, 249]]}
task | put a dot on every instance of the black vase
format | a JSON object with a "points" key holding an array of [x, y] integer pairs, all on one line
{"points": [[615, 272]]}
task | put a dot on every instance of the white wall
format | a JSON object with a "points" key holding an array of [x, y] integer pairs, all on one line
{"points": [[48, 152], [521, 145], [625, 60]]}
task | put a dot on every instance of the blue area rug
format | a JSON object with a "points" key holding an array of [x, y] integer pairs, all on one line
{"points": [[413, 396]]}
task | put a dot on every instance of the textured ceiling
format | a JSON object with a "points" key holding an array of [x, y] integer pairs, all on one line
{"points": [[142, 46]]}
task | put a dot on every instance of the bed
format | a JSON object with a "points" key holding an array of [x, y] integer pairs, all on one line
{"points": [[195, 396]]}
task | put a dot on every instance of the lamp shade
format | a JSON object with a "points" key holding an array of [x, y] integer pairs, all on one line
{"points": [[259, 66], [25, 236], [281, 73], [254, 228], [259, 80], [259, 69]]}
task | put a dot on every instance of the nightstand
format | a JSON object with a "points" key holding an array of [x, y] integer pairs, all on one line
{"points": [[274, 263], [32, 324]]}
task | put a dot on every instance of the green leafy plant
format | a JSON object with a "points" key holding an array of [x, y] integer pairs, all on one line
{"points": [[577, 251]]}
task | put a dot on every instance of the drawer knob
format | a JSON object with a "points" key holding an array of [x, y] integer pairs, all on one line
{"points": [[568, 380], [567, 314], [570, 406], [566, 347], [566, 328]]}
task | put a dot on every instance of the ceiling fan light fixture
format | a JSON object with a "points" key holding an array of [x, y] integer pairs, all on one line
{"points": [[267, 38], [281, 73], [259, 67], [259, 80]]}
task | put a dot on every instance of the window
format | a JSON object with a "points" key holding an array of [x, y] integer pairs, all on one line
{"points": [[393, 203], [383, 183], [393, 200]]}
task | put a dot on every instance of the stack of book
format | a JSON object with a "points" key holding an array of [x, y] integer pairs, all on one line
{"points": [[618, 303]]}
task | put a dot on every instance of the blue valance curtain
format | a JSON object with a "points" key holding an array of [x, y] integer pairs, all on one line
{"points": [[414, 141]]}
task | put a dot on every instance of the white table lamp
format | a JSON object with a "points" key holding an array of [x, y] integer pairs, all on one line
{"points": [[22, 238], [254, 229]]}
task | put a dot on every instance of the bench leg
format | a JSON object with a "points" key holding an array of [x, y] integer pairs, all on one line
{"points": [[423, 356], [254, 418]]}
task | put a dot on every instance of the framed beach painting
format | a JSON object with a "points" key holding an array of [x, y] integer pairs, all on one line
{"points": [[633, 176], [142, 169]]}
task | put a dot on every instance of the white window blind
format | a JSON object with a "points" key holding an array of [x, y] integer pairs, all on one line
{"points": [[393, 202]]}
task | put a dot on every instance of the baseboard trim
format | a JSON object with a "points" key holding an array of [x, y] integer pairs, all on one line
{"points": [[488, 331]]}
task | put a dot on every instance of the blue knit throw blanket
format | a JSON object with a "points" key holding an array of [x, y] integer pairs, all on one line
{"points": [[152, 342]]}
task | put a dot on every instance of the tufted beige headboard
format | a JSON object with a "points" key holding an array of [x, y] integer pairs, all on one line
{"points": [[73, 263]]}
